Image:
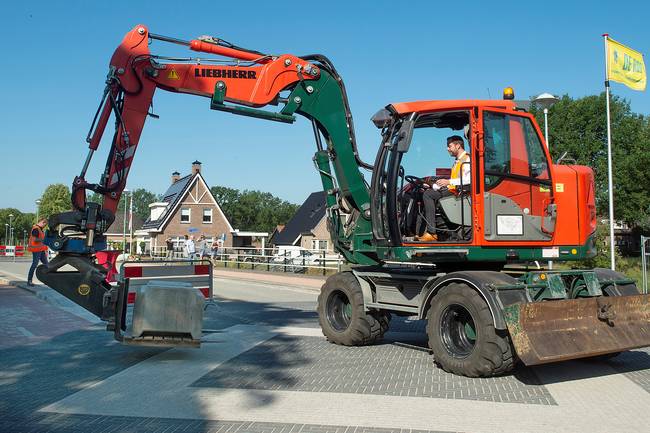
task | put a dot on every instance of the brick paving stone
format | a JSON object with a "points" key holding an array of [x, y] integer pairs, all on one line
{"points": [[28, 320], [635, 365], [40, 422], [314, 365]]}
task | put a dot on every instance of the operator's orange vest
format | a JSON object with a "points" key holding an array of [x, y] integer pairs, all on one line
{"points": [[36, 242], [456, 170]]}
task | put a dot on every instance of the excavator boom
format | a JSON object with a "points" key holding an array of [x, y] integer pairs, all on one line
{"points": [[241, 84]]}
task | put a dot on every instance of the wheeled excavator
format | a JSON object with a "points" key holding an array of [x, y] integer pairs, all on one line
{"points": [[487, 307]]}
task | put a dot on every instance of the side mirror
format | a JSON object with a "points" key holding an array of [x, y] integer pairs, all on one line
{"points": [[404, 135]]}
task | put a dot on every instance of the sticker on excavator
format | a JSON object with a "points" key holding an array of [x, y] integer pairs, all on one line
{"points": [[552, 331], [173, 75]]}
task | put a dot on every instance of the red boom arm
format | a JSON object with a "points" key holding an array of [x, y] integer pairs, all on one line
{"points": [[135, 74]]}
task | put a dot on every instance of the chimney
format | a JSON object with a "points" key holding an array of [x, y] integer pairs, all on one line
{"points": [[196, 167], [175, 176]]}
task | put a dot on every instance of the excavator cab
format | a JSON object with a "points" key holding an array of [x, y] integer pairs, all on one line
{"points": [[508, 197], [426, 161], [417, 158]]}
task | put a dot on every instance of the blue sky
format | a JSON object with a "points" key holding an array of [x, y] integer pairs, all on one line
{"points": [[55, 57]]}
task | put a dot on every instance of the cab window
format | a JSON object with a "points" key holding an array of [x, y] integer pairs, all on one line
{"points": [[512, 147], [497, 148]]}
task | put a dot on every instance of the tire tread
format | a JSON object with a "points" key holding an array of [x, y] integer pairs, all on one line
{"points": [[365, 328], [496, 354]]}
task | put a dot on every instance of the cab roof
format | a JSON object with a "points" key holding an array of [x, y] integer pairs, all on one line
{"points": [[424, 106]]}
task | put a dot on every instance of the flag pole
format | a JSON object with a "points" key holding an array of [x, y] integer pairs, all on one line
{"points": [[609, 161]]}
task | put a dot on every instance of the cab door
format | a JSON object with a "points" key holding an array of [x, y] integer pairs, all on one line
{"points": [[516, 178]]}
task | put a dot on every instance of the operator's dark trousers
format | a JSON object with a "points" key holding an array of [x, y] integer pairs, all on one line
{"points": [[36, 257], [430, 198]]}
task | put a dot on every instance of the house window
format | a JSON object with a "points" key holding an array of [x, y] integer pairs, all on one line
{"points": [[320, 245], [185, 215], [207, 216]]}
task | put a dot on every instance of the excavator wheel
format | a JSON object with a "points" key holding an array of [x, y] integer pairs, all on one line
{"points": [[342, 316], [462, 334]]}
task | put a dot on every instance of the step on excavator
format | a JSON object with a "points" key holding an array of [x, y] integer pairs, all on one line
{"points": [[487, 307]]}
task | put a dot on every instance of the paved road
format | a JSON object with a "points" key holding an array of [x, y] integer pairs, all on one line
{"points": [[267, 368]]}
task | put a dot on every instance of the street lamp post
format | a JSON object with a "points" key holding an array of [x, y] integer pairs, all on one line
{"points": [[38, 205], [11, 230], [131, 224], [6, 233], [126, 191], [546, 100], [24, 237]]}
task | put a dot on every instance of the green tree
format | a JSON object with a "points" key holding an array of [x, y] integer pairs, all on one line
{"points": [[227, 199], [20, 222], [578, 127], [55, 199], [253, 210], [602, 258], [142, 198]]}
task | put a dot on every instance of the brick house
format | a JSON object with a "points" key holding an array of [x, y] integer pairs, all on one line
{"points": [[308, 227], [187, 208]]}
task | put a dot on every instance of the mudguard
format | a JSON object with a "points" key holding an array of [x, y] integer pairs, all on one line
{"points": [[483, 282]]}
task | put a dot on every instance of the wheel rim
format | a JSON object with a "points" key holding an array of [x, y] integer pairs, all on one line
{"points": [[457, 331], [339, 311]]}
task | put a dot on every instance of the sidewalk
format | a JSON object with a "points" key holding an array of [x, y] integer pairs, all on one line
{"points": [[52, 297]]}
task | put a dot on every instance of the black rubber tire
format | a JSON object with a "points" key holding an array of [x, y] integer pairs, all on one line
{"points": [[611, 290], [356, 327], [490, 353]]}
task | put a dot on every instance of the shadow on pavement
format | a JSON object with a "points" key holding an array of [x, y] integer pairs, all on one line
{"points": [[635, 362], [36, 374]]}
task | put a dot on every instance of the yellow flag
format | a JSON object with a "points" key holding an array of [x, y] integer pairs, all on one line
{"points": [[625, 65]]}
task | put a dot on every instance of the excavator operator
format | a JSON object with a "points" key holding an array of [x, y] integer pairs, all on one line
{"points": [[446, 187]]}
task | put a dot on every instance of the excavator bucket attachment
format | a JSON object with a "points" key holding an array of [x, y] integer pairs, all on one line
{"points": [[552, 331], [84, 284]]}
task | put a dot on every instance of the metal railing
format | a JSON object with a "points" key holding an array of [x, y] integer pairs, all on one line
{"points": [[136, 274], [268, 259]]}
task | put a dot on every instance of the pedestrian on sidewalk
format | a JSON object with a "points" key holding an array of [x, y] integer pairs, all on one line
{"points": [[190, 248], [202, 247], [37, 248], [170, 248]]}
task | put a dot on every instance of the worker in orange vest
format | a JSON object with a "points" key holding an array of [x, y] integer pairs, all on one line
{"points": [[460, 175], [37, 248]]}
